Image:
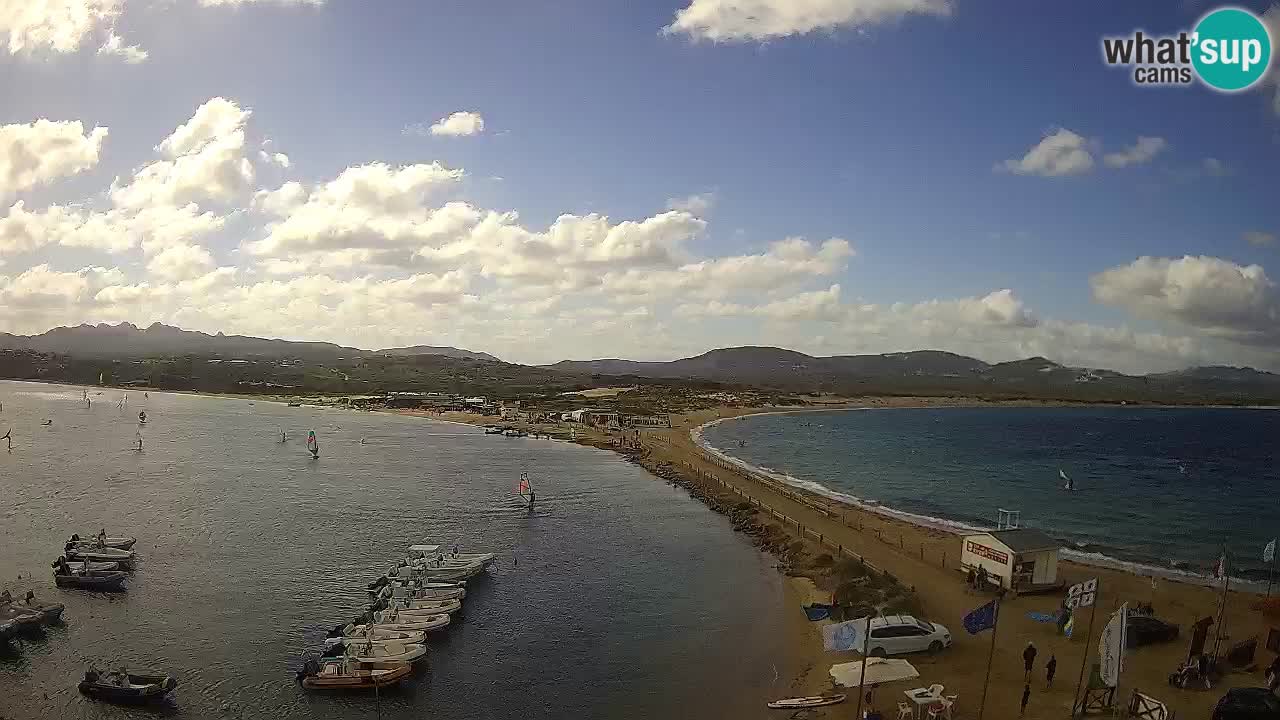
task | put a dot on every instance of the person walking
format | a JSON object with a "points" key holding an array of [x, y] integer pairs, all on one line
{"points": [[1028, 660], [1026, 695], [1050, 669]]}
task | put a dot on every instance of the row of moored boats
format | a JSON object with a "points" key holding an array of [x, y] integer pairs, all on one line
{"points": [[100, 563], [420, 595]]}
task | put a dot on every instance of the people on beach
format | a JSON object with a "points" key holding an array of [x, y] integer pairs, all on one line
{"points": [[1050, 669], [1026, 695], [1029, 660]]}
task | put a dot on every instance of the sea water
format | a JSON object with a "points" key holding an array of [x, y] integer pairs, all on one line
{"points": [[1156, 489], [617, 597]]}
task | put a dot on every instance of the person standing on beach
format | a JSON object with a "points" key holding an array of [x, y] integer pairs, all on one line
{"points": [[1050, 669], [1029, 660], [1026, 695]]}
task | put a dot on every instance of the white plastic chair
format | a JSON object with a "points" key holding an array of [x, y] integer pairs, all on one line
{"points": [[937, 711], [905, 712], [949, 702], [935, 690]]}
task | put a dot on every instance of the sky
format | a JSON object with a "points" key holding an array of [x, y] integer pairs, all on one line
{"points": [[602, 178]]}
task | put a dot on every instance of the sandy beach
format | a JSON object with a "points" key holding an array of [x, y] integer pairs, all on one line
{"points": [[926, 559]]}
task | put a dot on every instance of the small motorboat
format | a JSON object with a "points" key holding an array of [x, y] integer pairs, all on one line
{"points": [[123, 686], [47, 613], [119, 543], [343, 674], [352, 633], [377, 656], [431, 552], [82, 566], [91, 579], [799, 703], [422, 591], [80, 554], [419, 607], [19, 619], [395, 620]]}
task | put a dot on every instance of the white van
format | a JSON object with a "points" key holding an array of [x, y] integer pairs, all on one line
{"points": [[899, 634]]}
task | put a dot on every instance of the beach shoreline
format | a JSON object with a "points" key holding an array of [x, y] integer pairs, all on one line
{"points": [[926, 559]]}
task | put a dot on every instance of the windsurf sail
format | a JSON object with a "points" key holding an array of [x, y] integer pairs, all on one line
{"points": [[524, 488], [1070, 484], [139, 442], [313, 445], [100, 376], [142, 416], [9, 437]]}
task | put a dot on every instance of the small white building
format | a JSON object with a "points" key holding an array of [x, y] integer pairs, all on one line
{"points": [[1020, 558]]}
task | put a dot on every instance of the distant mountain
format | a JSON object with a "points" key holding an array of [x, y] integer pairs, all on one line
{"points": [[128, 340], [772, 365], [933, 372], [452, 352]]}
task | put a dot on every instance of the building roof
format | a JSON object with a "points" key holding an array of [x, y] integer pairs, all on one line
{"points": [[1023, 540]]}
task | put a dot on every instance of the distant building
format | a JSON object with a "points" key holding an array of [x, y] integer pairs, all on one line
{"points": [[1020, 557], [646, 421]]}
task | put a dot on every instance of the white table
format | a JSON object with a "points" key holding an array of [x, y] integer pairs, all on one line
{"points": [[922, 697]]}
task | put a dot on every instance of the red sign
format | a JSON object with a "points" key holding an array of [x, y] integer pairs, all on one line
{"points": [[986, 552]]}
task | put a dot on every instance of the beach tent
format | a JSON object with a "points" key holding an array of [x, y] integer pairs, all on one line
{"points": [[879, 671], [1020, 558]]}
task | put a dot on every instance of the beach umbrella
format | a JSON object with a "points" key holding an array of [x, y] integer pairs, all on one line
{"points": [[878, 670]]}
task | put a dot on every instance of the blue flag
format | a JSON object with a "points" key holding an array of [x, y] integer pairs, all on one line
{"points": [[983, 618], [845, 636]]}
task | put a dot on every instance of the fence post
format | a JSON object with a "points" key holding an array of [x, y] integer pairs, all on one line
{"points": [[944, 559], [922, 551]]}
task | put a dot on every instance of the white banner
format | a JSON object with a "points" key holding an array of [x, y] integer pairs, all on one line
{"points": [[1111, 647], [1269, 552]]}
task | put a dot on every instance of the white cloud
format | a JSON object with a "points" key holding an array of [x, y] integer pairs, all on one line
{"points": [[206, 162], [279, 159], [1139, 153], [1258, 238], [1215, 167], [697, 204], [1212, 295], [759, 20], [40, 289], [57, 26], [40, 152], [461, 123], [786, 263], [215, 119], [1061, 152], [180, 261], [115, 47]]}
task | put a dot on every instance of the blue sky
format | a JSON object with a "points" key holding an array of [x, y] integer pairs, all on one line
{"points": [[886, 130]]}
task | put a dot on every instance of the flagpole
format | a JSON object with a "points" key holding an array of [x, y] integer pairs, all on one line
{"points": [[1088, 634], [1222, 606], [1271, 574], [862, 679], [990, 655]]}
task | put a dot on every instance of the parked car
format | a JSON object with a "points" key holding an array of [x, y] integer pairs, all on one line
{"points": [[1145, 630], [898, 634], [1247, 704]]}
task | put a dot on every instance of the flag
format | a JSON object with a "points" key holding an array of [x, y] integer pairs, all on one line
{"points": [[1071, 625], [983, 618], [1111, 647], [1269, 552], [845, 636], [1220, 570]]}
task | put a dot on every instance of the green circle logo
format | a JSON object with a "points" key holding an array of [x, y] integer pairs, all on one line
{"points": [[1231, 49]]}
